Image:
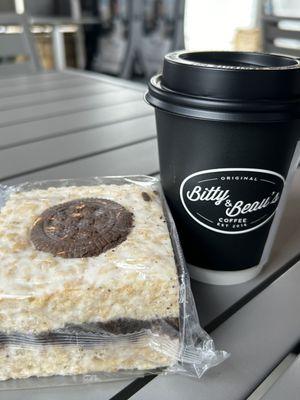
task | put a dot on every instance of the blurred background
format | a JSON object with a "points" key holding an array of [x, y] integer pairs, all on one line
{"points": [[128, 38]]}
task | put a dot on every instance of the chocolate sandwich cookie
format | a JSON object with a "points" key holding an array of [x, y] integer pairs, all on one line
{"points": [[81, 228]]}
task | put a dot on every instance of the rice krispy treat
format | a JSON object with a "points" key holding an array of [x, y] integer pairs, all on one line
{"points": [[80, 263]]}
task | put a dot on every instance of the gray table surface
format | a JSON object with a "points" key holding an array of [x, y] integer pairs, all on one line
{"points": [[71, 124], [288, 385]]}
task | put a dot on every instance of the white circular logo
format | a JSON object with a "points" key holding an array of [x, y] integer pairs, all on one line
{"points": [[232, 200]]}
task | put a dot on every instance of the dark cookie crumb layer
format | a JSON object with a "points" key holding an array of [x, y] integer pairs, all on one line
{"points": [[92, 333]]}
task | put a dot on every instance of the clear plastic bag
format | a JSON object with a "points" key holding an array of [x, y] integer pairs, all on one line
{"points": [[93, 283]]}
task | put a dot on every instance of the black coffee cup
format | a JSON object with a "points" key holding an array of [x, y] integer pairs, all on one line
{"points": [[228, 128]]}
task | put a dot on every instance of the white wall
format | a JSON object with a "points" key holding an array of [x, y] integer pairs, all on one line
{"points": [[211, 24], [287, 8]]}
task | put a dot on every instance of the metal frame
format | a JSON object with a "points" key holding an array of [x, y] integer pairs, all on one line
{"points": [[272, 31], [58, 36], [21, 20]]}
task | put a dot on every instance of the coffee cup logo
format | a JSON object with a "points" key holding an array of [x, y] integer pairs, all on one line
{"points": [[232, 200]]}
